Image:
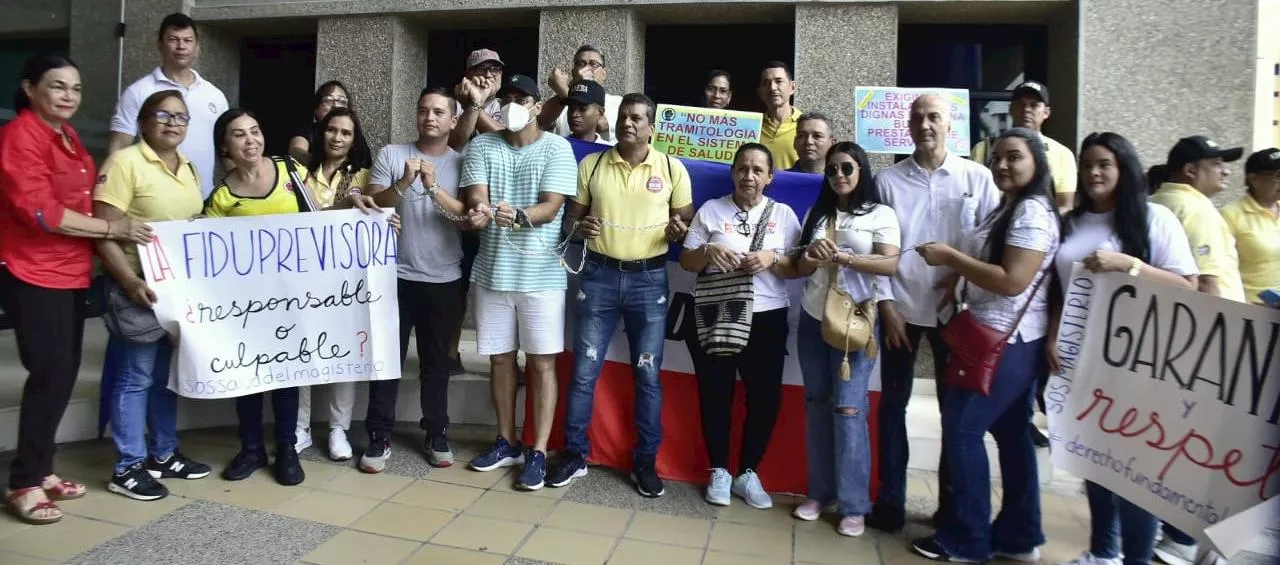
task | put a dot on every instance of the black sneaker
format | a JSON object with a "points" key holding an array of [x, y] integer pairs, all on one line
{"points": [[645, 474], [565, 468], [455, 366], [177, 466], [886, 518], [438, 452], [244, 464], [930, 548], [288, 470], [375, 456], [137, 483], [1038, 437]]}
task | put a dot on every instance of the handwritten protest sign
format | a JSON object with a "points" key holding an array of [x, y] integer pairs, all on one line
{"points": [[706, 134], [880, 122], [1169, 398], [268, 302]]}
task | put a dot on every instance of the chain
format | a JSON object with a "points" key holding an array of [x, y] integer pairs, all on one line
{"points": [[559, 250], [608, 224]]}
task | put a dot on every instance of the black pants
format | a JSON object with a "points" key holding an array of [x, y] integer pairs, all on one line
{"points": [[284, 404], [432, 310], [896, 377], [760, 365], [49, 327]]}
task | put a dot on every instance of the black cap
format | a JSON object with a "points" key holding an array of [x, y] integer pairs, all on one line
{"points": [[1263, 161], [1033, 88], [586, 92], [1197, 147], [521, 83]]}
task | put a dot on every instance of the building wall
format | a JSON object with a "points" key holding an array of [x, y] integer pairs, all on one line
{"points": [[1267, 91]]}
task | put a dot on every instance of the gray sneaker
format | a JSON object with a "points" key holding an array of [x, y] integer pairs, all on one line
{"points": [[747, 487], [718, 488], [375, 456], [438, 452]]}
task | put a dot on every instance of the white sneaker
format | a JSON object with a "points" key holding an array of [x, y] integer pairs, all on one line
{"points": [[718, 488], [747, 487], [1174, 553], [809, 510], [339, 447], [1087, 558], [302, 439]]}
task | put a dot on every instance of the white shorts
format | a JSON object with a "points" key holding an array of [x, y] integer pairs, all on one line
{"points": [[537, 318]]}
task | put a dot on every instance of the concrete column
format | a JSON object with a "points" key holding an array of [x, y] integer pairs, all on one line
{"points": [[383, 60], [142, 20], [93, 46], [616, 32], [1158, 70], [840, 47]]}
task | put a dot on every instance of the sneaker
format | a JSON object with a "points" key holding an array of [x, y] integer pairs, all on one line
{"points": [[1087, 558], [502, 454], [809, 510], [565, 468], [244, 464], [375, 456], [303, 439], [177, 466], [339, 447], [1023, 557], [455, 366], [930, 548], [645, 473], [718, 488], [288, 470], [1174, 553], [137, 483], [747, 487], [534, 474], [1038, 437], [438, 452], [886, 518], [851, 526]]}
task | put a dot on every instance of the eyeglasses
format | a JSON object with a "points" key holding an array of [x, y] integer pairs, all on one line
{"points": [[335, 101], [584, 63], [846, 168], [743, 228], [172, 118]]}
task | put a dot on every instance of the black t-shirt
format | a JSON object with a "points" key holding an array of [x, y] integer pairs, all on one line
{"points": [[307, 132]]}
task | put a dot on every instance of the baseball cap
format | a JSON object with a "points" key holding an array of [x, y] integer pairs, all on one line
{"points": [[586, 92], [1263, 161], [1033, 88], [1197, 147], [482, 55], [521, 83]]}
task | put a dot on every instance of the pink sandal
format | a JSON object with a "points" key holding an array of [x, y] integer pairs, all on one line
{"points": [[31, 514], [60, 489]]}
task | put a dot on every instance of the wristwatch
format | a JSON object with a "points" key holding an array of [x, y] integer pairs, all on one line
{"points": [[522, 219], [1136, 268]]}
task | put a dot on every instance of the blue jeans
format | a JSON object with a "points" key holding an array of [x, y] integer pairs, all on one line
{"points": [[967, 416], [897, 375], [838, 444], [640, 300], [1177, 536], [141, 401], [1117, 525]]}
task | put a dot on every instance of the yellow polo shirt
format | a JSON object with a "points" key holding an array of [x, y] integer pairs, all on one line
{"points": [[326, 190], [1257, 233], [1211, 241], [780, 138], [281, 200], [633, 197], [136, 181], [1062, 163]]}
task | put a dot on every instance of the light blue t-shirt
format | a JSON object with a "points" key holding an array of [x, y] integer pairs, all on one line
{"points": [[516, 175]]}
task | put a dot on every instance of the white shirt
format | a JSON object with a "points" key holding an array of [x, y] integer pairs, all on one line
{"points": [[1032, 227], [939, 207], [611, 104], [204, 103], [714, 223], [856, 234], [1169, 249]]}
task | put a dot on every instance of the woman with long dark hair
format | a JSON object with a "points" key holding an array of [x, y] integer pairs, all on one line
{"points": [[1004, 262], [46, 257], [850, 240], [1114, 229], [330, 95]]}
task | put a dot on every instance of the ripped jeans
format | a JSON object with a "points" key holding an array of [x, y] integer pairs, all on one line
{"points": [[838, 442], [639, 299]]}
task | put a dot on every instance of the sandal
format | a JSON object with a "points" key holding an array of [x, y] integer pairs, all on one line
{"points": [[43, 511], [61, 489]]}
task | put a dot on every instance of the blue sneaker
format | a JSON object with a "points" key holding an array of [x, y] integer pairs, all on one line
{"points": [[502, 454], [535, 471]]}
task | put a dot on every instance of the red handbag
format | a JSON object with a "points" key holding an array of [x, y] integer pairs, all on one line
{"points": [[976, 348]]}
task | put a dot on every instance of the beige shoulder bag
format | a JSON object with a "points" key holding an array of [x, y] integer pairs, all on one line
{"points": [[847, 325]]}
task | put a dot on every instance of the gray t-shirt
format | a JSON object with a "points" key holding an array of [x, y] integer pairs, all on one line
{"points": [[430, 250]]}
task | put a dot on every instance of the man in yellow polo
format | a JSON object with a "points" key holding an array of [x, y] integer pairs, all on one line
{"points": [[1030, 109], [1197, 170], [631, 202], [778, 130]]}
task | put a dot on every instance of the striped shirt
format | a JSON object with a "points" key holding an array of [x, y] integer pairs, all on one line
{"points": [[516, 175]]}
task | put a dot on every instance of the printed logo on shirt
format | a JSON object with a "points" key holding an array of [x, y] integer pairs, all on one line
{"points": [[213, 108], [1202, 250], [288, 186], [654, 185]]}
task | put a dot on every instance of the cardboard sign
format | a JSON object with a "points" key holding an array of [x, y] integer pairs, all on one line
{"points": [[882, 116], [704, 134]]}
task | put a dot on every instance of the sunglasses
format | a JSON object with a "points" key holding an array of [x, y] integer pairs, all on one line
{"points": [[847, 169], [172, 118], [743, 228]]}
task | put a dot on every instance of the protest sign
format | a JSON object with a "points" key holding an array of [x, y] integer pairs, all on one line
{"points": [[1168, 397], [266, 302], [882, 113], [706, 134]]}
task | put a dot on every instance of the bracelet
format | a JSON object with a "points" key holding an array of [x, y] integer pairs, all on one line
{"points": [[475, 106], [1136, 268], [354, 191], [433, 189]]}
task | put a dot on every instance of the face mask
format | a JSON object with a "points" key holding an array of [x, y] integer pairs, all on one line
{"points": [[513, 116]]}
